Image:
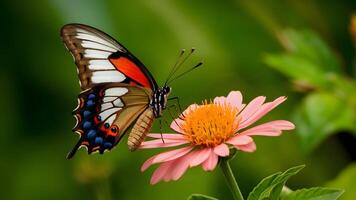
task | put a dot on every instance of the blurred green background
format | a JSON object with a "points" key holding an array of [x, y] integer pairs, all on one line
{"points": [[240, 42]]}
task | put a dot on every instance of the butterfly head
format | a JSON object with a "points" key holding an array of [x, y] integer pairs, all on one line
{"points": [[165, 91]]}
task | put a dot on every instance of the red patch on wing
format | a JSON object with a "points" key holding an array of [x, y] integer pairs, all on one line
{"points": [[131, 70]]}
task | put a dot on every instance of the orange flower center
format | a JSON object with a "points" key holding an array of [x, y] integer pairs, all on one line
{"points": [[210, 124]]}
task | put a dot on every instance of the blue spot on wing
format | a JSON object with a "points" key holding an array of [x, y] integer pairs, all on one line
{"points": [[86, 113], [91, 96], [91, 134], [107, 145], [87, 125], [90, 103], [98, 140]]}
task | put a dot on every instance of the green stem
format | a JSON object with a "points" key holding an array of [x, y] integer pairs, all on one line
{"points": [[229, 176]]}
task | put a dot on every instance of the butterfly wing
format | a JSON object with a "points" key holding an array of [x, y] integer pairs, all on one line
{"points": [[105, 112], [116, 87], [101, 59]]}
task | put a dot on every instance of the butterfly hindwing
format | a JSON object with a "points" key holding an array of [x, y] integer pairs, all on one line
{"points": [[105, 112]]}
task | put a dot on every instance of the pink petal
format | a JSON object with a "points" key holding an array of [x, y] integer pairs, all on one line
{"points": [[252, 107], [173, 136], [158, 143], [262, 111], [160, 172], [180, 166], [222, 150], [273, 128], [240, 140], [166, 156], [171, 155], [147, 163], [220, 100], [210, 163], [176, 125], [190, 108], [282, 124], [235, 99], [169, 175], [250, 147], [199, 156]]}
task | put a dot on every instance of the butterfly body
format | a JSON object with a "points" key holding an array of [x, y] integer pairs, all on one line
{"points": [[117, 91], [144, 123], [140, 129]]}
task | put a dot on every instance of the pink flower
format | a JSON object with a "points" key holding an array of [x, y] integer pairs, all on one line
{"points": [[205, 133]]}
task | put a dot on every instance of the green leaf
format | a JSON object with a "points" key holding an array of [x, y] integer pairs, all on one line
{"points": [[309, 45], [257, 191], [271, 186], [346, 180], [200, 197], [319, 115], [317, 193], [308, 59], [298, 68]]}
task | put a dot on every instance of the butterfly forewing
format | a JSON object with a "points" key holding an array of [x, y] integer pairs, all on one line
{"points": [[90, 50], [101, 59]]}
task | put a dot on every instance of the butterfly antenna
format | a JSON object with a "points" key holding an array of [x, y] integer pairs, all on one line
{"points": [[189, 70], [179, 64], [175, 65]]}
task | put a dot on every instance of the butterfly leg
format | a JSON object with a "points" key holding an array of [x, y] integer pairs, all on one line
{"points": [[167, 124], [160, 128], [165, 121], [169, 110], [170, 114], [177, 102]]}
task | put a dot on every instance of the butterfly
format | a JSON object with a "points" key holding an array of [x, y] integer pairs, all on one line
{"points": [[117, 91]]}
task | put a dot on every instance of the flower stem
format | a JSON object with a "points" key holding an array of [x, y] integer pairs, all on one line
{"points": [[229, 176]]}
